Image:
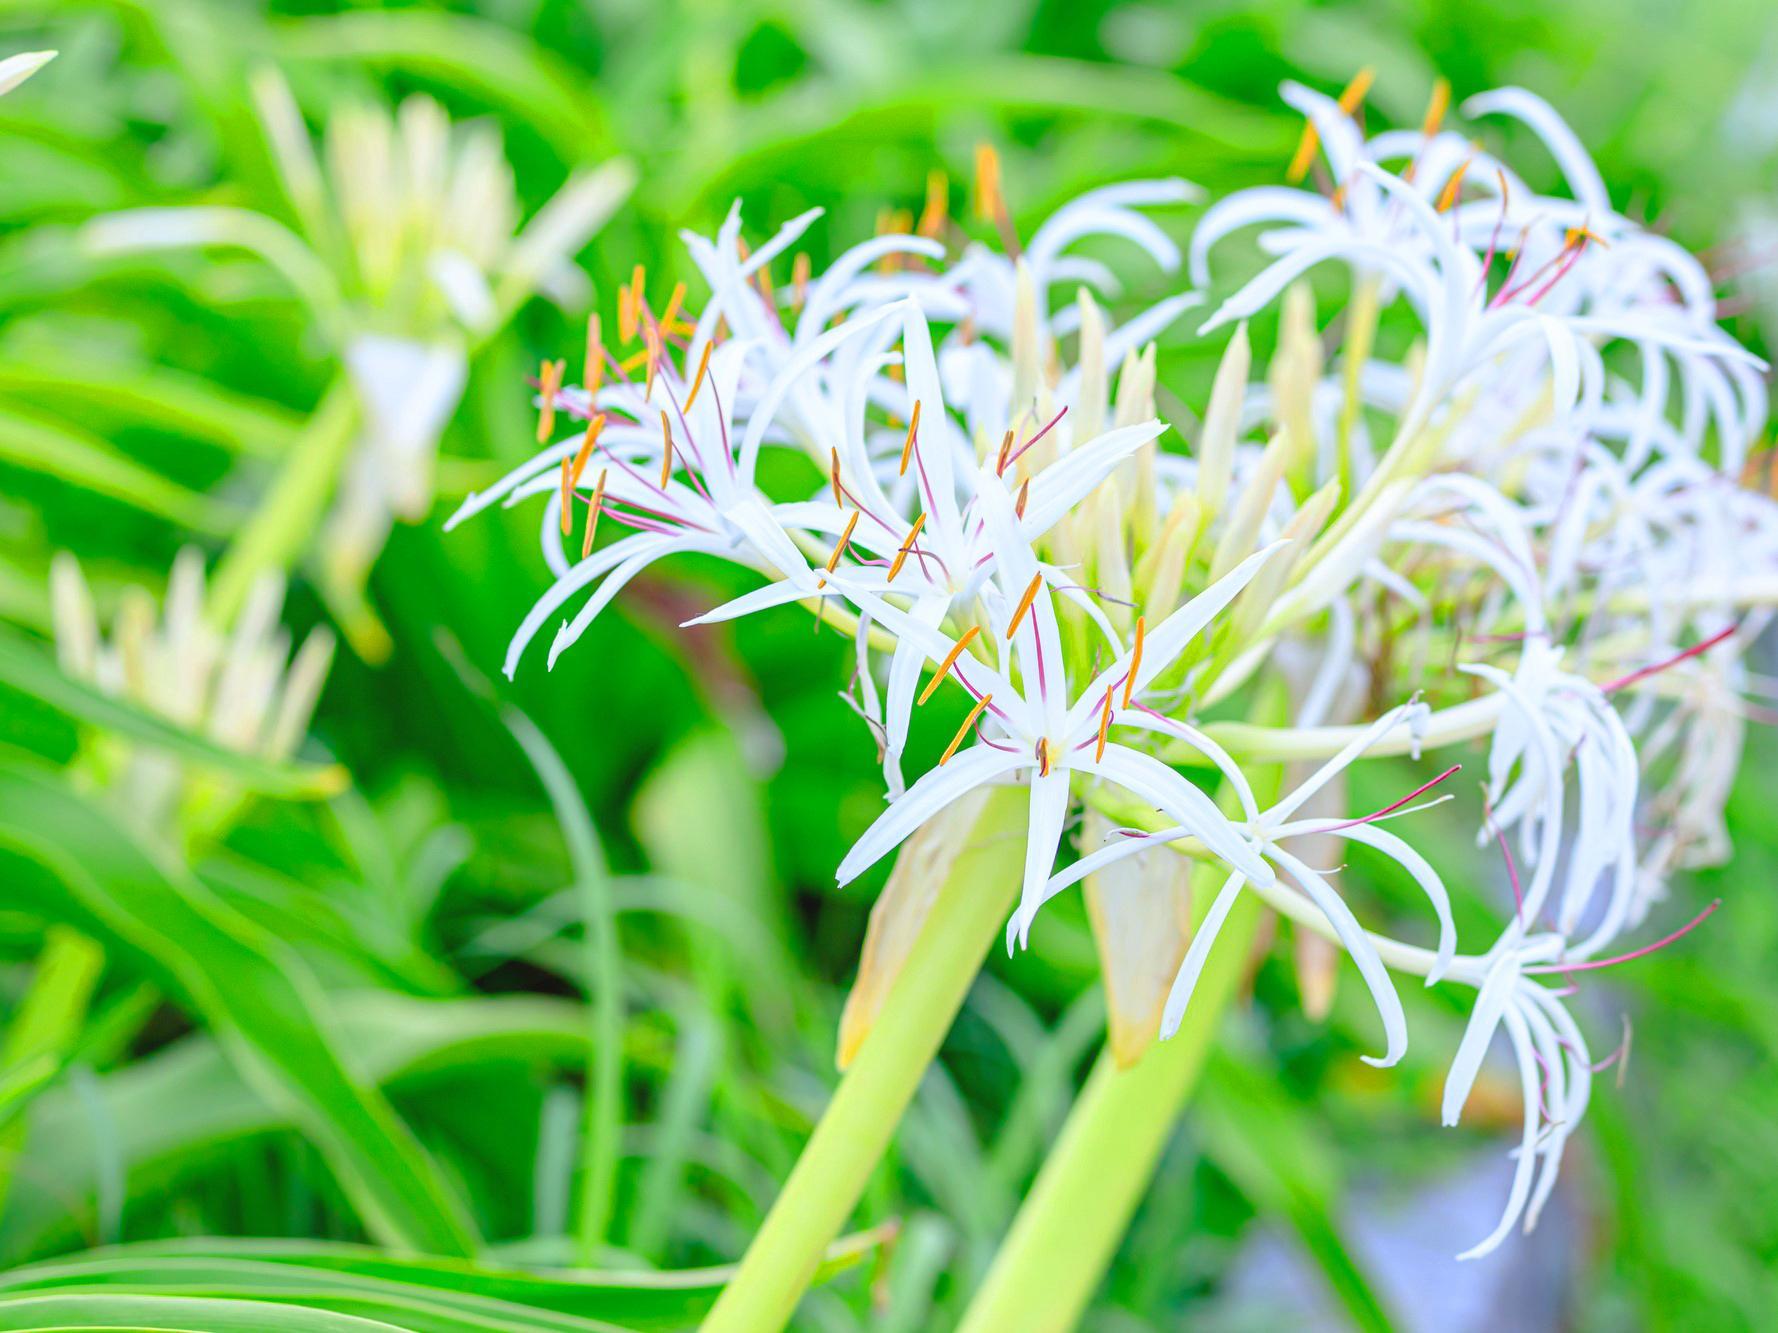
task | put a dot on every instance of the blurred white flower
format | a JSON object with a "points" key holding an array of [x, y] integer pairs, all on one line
{"points": [[408, 252], [240, 687]]}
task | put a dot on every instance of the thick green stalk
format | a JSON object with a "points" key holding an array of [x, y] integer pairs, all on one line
{"points": [[1081, 1204], [289, 515], [855, 1130]]}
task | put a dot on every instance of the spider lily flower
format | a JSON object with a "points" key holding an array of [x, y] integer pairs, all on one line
{"points": [[242, 689], [623, 467], [1269, 830], [1555, 1074], [943, 558], [408, 253], [1554, 717], [1579, 275], [1035, 730]]}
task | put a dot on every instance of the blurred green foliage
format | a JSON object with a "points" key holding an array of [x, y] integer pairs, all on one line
{"points": [[360, 1015]]}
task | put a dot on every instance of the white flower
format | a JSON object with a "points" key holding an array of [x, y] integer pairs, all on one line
{"points": [[242, 689], [716, 509], [1269, 830], [409, 252], [1035, 728], [943, 557]]}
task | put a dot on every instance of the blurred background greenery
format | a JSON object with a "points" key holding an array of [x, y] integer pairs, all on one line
{"points": [[209, 1069]]}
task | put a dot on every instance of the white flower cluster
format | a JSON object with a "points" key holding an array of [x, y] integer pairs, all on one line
{"points": [[1496, 500], [408, 252]]}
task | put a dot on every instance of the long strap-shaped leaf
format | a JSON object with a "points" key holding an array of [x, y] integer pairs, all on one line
{"points": [[430, 1295], [255, 994], [89, 1312]]}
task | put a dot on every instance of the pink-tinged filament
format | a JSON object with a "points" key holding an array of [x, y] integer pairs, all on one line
{"points": [[1644, 951]]}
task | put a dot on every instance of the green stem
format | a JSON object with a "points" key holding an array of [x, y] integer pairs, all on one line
{"points": [[1081, 1204], [286, 521], [855, 1130], [1084, 1197]]}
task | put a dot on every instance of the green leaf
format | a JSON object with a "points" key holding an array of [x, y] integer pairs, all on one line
{"points": [[428, 1295], [175, 1109], [468, 55], [90, 1312], [58, 450], [172, 400], [44, 1029], [25, 667], [253, 991]]}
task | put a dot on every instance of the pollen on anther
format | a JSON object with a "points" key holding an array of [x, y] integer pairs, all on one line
{"points": [[592, 516], [907, 448], [833, 473], [1030, 595], [1349, 102], [1104, 727], [839, 549], [932, 216], [1135, 663], [698, 379], [907, 546], [585, 451], [550, 384], [674, 301], [1447, 198], [666, 450], [594, 374], [944, 667], [962, 731], [629, 311]]}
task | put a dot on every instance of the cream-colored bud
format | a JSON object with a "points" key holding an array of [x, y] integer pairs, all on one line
{"points": [[1222, 422], [1240, 537], [1089, 402]]}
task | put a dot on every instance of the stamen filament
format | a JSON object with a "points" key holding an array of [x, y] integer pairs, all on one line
{"points": [[1634, 954]]}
